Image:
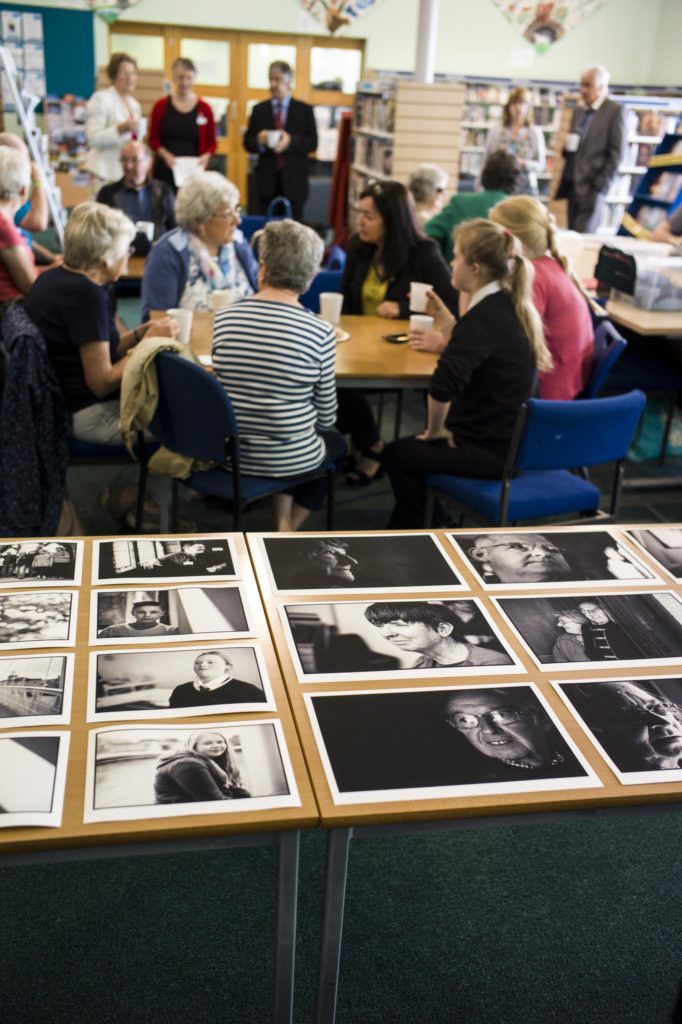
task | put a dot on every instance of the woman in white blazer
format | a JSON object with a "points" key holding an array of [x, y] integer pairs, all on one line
{"points": [[113, 118]]}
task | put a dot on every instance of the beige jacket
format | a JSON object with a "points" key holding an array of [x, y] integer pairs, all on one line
{"points": [[139, 398]]}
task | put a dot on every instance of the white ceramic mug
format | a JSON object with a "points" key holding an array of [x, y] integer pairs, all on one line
{"points": [[330, 306], [221, 297], [273, 137], [183, 318], [145, 227], [418, 297], [419, 322]]}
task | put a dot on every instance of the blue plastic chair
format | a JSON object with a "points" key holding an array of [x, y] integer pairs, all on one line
{"points": [[194, 417], [324, 281], [279, 208], [336, 258], [550, 439], [609, 346]]}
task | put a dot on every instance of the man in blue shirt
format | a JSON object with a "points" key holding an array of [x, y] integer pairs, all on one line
{"points": [[139, 197], [282, 168]]}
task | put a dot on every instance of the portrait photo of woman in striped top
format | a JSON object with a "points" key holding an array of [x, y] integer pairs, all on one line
{"points": [[276, 361]]}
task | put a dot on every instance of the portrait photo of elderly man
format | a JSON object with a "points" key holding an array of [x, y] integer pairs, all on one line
{"points": [[550, 557], [636, 722]]}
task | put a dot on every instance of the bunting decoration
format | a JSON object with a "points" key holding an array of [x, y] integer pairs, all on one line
{"points": [[110, 10], [544, 23], [336, 15]]}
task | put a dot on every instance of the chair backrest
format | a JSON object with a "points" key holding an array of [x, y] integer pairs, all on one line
{"points": [[565, 435], [250, 223], [194, 415], [279, 208], [336, 258], [324, 281], [609, 346]]}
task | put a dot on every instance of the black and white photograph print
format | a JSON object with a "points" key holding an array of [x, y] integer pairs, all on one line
{"points": [[32, 778], [31, 618], [664, 543], [610, 629], [35, 690], [636, 724], [128, 560], [40, 563], [177, 682], [542, 559], [452, 741], [199, 613], [159, 771], [377, 639], [390, 562]]}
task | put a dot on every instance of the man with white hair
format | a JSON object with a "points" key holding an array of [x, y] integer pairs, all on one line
{"points": [[593, 150]]}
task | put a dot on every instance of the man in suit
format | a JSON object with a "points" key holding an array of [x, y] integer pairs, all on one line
{"points": [[282, 169], [594, 148]]}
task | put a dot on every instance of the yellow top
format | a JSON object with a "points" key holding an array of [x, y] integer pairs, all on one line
{"points": [[373, 293]]}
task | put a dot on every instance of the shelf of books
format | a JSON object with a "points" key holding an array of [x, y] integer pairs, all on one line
{"points": [[659, 190], [648, 119]]}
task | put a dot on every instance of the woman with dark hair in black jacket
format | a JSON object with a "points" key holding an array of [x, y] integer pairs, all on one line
{"points": [[387, 253]]}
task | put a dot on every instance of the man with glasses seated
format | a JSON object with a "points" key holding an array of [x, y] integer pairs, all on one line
{"points": [[141, 199], [509, 727], [205, 253]]}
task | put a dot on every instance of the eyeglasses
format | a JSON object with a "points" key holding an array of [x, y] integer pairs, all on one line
{"points": [[524, 547], [500, 716], [234, 212], [656, 707]]}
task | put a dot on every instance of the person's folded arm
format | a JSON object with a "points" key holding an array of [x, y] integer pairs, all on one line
{"points": [[37, 217], [197, 782], [21, 270], [101, 375]]}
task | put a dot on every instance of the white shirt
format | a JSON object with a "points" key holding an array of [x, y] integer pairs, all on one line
{"points": [[482, 293], [106, 108], [213, 684]]}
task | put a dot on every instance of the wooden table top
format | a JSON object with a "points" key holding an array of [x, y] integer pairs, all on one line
{"points": [[644, 321], [73, 832], [611, 792], [135, 269], [364, 357]]}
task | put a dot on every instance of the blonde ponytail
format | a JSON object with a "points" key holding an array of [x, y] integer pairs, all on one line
{"points": [[565, 263], [520, 281]]}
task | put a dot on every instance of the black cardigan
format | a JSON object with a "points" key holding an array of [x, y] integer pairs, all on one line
{"points": [[425, 263], [487, 371]]}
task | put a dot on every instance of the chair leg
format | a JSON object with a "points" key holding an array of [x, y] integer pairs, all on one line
{"points": [[670, 415], [141, 497], [331, 494], [237, 517], [428, 508]]}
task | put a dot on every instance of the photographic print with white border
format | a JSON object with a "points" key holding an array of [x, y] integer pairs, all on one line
{"points": [[635, 724], [38, 618], [130, 768], [191, 613], [36, 690], [336, 640], [556, 558], [161, 683], [391, 745], [41, 563], [32, 778], [357, 563], [128, 560], [628, 629], [663, 544]]}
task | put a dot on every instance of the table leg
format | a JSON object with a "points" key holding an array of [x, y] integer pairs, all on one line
{"points": [[338, 844], [287, 897]]}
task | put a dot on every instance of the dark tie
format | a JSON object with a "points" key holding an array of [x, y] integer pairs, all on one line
{"points": [[585, 121]]}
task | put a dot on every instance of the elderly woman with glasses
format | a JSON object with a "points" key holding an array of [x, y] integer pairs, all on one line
{"points": [[276, 360], [204, 253], [427, 185]]}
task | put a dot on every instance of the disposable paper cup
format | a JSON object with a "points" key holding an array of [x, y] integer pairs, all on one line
{"points": [[183, 318], [145, 227], [419, 322], [418, 297], [141, 127], [221, 297], [273, 137], [330, 306]]}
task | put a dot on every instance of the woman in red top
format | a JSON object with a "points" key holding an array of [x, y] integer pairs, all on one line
{"points": [[181, 124], [17, 269], [559, 298]]}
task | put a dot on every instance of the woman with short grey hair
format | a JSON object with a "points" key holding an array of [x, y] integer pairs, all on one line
{"points": [[427, 185], [276, 361], [17, 270], [70, 306], [205, 253]]}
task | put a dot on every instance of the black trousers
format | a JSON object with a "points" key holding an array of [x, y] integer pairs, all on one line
{"points": [[355, 417], [311, 493], [408, 461]]}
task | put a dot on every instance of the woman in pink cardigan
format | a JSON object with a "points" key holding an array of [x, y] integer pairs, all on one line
{"points": [[181, 124]]}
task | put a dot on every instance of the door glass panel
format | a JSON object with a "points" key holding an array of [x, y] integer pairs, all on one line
{"points": [[212, 58], [220, 108], [336, 69], [148, 51], [261, 56]]}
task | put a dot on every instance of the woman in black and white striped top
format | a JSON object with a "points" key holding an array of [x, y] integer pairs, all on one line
{"points": [[276, 361]]}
